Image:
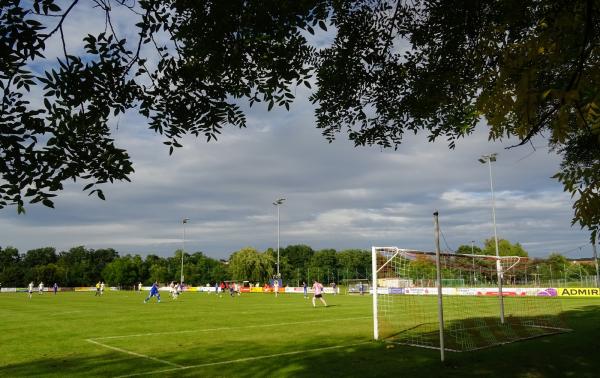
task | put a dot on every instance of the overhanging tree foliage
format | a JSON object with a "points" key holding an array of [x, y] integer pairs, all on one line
{"points": [[527, 67]]}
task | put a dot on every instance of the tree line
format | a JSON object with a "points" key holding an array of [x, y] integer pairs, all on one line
{"points": [[80, 266]]}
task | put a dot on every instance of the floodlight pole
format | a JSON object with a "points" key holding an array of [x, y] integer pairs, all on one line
{"points": [[184, 222], [277, 203], [596, 263], [473, 260], [489, 159]]}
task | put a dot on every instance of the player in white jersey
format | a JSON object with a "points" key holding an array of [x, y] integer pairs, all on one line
{"points": [[318, 293], [30, 289], [176, 290], [40, 288]]}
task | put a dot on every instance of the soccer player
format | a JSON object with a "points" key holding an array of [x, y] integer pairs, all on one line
{"points": [[140, 287], [101, 287], [305, 287], [30, 289], [318, 293], [55, 287], [276, 287], [176, 290], [361, 288], [153, 293], [40, 288], [97, 289]]}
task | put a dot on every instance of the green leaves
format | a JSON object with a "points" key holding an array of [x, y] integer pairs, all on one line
{"points": [[433, 67]]}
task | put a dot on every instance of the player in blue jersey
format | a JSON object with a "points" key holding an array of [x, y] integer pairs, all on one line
{"points": [[153, 293]]}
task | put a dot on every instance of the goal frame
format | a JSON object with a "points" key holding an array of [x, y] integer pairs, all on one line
{"points": [[510, 262]]}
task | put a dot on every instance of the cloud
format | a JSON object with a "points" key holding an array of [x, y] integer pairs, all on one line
{"points": [[338, 196]]}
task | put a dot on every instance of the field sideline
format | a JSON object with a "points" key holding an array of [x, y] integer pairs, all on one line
{"points": [[254, 335]]}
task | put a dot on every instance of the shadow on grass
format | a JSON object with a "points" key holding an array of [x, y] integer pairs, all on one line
{"points": [[569, 354]]}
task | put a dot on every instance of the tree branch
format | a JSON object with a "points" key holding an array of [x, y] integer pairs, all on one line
{"points": [[62, 19]]}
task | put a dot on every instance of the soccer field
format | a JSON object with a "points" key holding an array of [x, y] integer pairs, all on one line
{"points": [[254, 335]]}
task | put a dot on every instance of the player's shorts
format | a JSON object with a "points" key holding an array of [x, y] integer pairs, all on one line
{"points": [[318, 295]]}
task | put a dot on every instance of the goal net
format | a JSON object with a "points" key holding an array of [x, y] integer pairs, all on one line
{"points": [[474, 311]]}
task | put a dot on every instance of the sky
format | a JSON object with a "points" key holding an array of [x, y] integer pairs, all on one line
{"points": [[337, 195]]}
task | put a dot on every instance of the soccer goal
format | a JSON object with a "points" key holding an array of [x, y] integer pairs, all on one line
{"points": [[454, 303]]}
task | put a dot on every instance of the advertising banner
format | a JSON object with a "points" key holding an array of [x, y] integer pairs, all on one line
{"points": [[396, 290], [85, 289], [579, 292], [492, 291], [549, 292]]}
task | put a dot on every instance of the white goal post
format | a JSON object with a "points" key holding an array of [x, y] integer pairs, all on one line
{"points": [[450, 301]]}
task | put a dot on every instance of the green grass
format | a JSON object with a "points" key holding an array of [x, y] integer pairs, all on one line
{"points": [[255, 335]]}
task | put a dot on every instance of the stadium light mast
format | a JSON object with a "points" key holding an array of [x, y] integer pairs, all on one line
{"points": [[473, 260], [278, 203], [595, 253], [483, 160], [184, 222]]}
